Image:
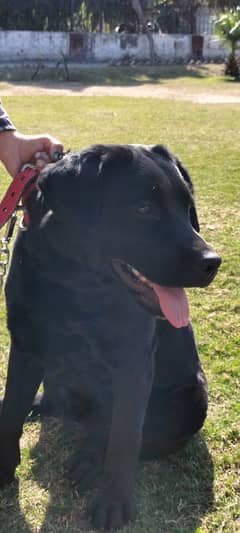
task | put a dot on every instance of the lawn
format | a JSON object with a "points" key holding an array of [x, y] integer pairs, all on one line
{"points": [[198, 489], [106, 74], [191, 79]]}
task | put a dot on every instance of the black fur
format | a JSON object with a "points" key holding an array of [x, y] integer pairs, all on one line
{"points": [[104, 357]]}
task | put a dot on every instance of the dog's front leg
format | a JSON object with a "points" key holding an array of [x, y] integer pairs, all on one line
{"points": [[114, 506], [24, 377]]}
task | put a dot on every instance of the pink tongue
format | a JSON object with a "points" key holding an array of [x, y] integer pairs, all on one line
{"points": [[174, 304]]}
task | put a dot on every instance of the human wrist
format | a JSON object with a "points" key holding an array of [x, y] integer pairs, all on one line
{"points": [[5, 137], [7, 147]]}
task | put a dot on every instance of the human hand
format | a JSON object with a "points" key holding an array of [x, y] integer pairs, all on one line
{"points": [[17, 149]]}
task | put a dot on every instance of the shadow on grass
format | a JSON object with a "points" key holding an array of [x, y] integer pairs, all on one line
{"points": [[172, 495], [9, 506], [106, 76], [227, 79]]}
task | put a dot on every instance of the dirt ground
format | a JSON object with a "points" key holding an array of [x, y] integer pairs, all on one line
{"points": [[189, 93]]}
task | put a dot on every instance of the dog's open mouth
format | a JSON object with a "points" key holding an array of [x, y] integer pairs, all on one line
{"points": [[169, 302]]}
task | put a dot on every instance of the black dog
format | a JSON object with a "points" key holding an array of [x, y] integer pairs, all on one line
{"points": [[110, 244]]}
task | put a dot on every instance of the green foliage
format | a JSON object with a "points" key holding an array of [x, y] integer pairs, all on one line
{"points": [[228, 28], [179, 16], [222, 4], [232, 67], [91, 15], [37, 14], [64, 15], [110, 12]]}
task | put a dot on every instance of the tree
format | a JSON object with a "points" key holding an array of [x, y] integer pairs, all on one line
{"points": [[178, 15], [139, 10], [222, 4], [228, 28], [57, 15]]}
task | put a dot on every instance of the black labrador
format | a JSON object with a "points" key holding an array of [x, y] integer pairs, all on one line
{"points": [[96, 308]]}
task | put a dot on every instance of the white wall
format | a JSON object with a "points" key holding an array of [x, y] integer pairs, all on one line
{"points": [[173, 46], [26, 45], [15, 45], [106, 47], [213, 47]]}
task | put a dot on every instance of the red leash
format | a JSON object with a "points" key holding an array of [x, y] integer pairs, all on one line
{"points": [[19, 188]]}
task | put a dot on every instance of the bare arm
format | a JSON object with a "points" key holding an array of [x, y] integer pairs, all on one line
{"points": [[17, 149]]}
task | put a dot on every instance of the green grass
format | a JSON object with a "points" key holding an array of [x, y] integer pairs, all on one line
{"points": [[114, 75], [198, 490], [205, 76]]}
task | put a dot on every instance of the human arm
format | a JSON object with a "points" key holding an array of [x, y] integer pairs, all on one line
{"points": [[17, 149]]}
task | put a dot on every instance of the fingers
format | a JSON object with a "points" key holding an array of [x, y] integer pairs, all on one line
{"points": [[46, 154], [41, 159], [17, 149], [50, 145]]}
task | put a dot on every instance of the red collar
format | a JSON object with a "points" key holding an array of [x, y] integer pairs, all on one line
{"points": [[20, 187]]}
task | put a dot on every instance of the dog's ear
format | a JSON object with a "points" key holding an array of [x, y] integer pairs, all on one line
{"points": [[114, 159], [75, 182], [70, 186], [164, 152], [193, 211]]}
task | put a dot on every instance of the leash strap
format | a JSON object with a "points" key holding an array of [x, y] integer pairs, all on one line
{"points": [[15, 191], [20, 187]]}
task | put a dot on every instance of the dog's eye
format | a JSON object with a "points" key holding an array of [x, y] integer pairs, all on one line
{"points": [[144, 210]]}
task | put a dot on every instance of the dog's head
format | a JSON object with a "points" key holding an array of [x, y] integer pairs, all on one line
{"points": [[133, 206]]}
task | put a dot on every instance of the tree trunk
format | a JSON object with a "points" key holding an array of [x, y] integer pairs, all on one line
{"points": [[137, 6], [233, 47], [72, 15]]}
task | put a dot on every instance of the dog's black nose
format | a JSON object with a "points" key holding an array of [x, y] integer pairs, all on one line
{"points": [[210, 262]]}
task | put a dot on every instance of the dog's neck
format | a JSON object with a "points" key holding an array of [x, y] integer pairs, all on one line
{"points": [[90, 286], [80, 276]]}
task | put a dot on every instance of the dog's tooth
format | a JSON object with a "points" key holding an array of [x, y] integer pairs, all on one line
{"points": [[138, 275], [135, 272]]}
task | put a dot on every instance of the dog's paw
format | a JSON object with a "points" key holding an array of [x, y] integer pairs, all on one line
{"points": [[83, 470], [107, 513]]}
